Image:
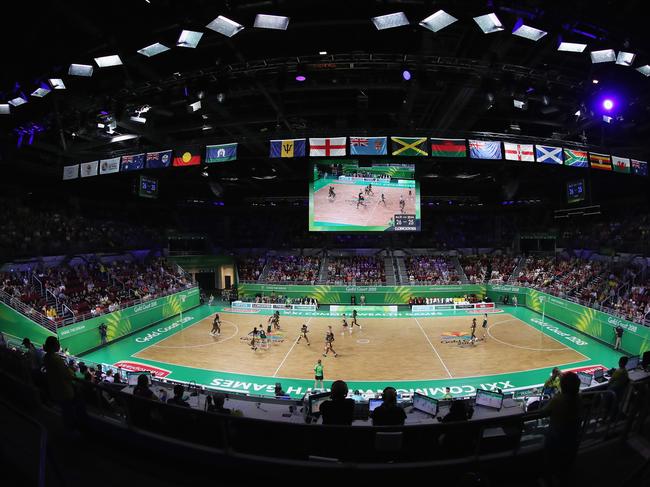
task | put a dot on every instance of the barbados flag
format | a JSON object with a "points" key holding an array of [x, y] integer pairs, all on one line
{"points": [[288, 148], [368, 146]]}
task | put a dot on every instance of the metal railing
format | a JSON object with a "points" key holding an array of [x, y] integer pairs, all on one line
{"points": [[124, 304], [27, 311]]}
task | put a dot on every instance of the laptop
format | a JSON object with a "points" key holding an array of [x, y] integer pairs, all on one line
{"points": [[599, 376]]}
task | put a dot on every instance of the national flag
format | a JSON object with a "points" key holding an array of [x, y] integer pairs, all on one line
{"points": [[186, 157], [158, 160], [621, 164], [109, 166], [519, 152], [448, 148], [288, 148], [133, 162], [221, 153], [409, 146], [89, 169], [71, 172], [329, 146], [600, 161], [639, 168], [485, 149], [368, 146], [575, 158], [548, 154]]}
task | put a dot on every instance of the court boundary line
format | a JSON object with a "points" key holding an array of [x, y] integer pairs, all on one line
{"points": [[176, 332], [197, 346], [434, 348], [369, 381], [538, 330], [290, 350]]}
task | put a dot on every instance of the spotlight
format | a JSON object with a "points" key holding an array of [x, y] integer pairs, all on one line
{"points": [[57, 83], [644, 70], [390, 21], [625, 58], [263, 21], [608, 104], [607, 119], [194, 107], [4, 109], [108, 61], [595, 81], [521, 104], [527, 32], [16, 102], [80, 70], [406, 74], [489, 23], [438, 21], [604, 56]]}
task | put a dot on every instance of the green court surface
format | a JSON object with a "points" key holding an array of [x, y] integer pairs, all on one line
{"points": [[125, 349]]}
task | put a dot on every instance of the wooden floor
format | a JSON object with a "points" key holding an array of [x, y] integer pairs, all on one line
{"points": [[385, 349], [343, 208]]}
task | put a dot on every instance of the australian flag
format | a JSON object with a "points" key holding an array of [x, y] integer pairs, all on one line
{"points": [[133, 162], [368, 146]]}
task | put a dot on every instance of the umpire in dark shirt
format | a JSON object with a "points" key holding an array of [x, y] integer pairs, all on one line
{"points": [[339, 409], [389, 413]]}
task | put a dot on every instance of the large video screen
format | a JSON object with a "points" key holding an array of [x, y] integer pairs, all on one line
{"points": [[348, 196]]}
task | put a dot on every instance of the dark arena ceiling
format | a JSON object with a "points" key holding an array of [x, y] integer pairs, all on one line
{"points": [[463, 82]]}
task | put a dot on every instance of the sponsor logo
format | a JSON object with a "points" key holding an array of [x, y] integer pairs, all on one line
{"points": [[269, 388], [589, 369], [163, 330], [138, 367], [623, 324], [71, 329], [145, 306], [554, 329]]}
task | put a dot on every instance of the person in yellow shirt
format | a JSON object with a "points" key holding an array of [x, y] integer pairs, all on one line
{"points": [[552, 384]]}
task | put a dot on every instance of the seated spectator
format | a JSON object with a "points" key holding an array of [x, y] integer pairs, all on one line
{"points": [[388, 413], [59, 379], [215, 404], [564, 426], [339, 409], [142, 389], [177, 400]]}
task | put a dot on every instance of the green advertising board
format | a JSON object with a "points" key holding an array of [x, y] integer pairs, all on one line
{"points": [[84, 335], [18, 326], [328, 294]]}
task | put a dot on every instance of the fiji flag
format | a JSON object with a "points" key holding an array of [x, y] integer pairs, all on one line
{"points": [[548, 154], [221, 153], [159, 160], [368, 146], [639, 168], [133, 162], [485, 149], [288, 148]]}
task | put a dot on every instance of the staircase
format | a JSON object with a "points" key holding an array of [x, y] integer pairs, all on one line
{"points": [[389, 269], [322, 275], [455, 262], [518, 268], [401, 270], [265, 272]]}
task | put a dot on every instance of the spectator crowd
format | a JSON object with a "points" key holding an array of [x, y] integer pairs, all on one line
{"points": [[360, 271], [424, 269]]}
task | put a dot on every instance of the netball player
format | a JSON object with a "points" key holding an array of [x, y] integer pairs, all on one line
{"points": [[216, 326], [402, 203], [354, 321], [254, 334], [331, 193], [329, 339], [485, 324], [370, 189], [345, 325], [276, 321], [383, 199], [303, 334], [318, 375], [473, 337], [360, 200]]}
